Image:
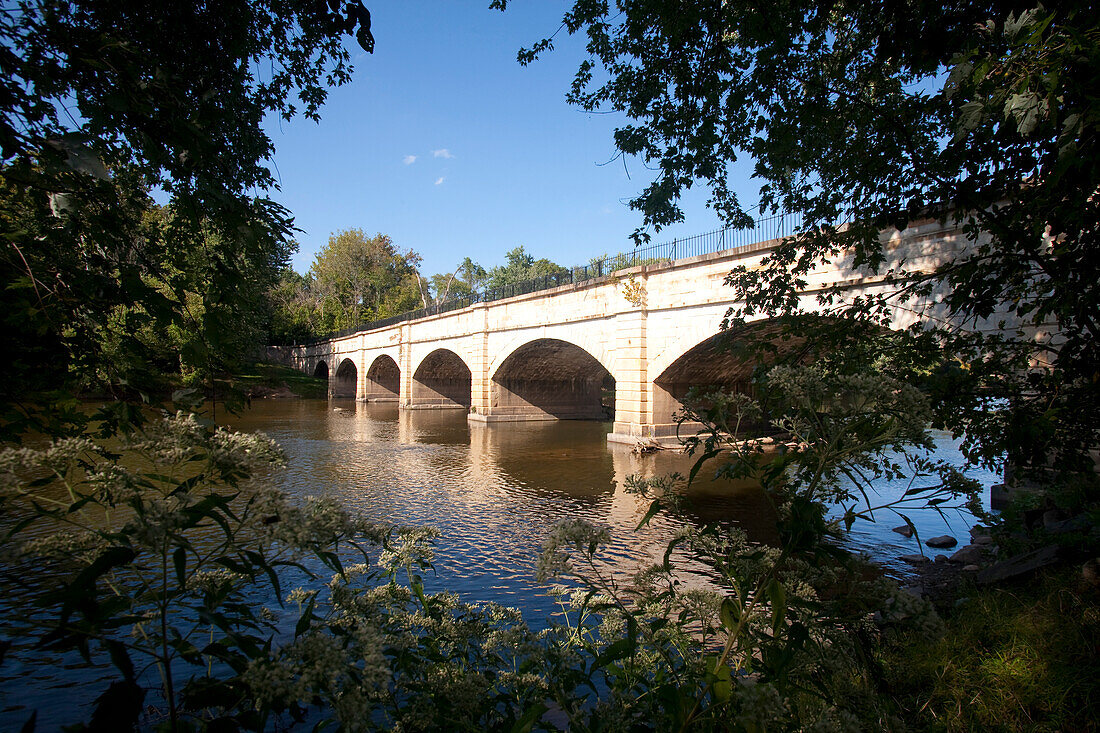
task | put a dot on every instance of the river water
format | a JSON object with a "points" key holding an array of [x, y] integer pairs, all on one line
{"points": [[494, 493]]}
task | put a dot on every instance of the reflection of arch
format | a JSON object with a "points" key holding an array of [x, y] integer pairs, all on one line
{"points": [[555, 378], [346, 378], [383, 382], [442, 380], [321, 370]]}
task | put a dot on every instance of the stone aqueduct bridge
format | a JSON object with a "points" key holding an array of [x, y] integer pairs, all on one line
{"points": [[648, 333]]}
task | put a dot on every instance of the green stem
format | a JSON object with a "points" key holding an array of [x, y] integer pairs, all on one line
{"points": [[166, 659]]}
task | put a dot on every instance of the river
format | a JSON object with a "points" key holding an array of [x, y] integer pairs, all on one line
{"points": [[494, 493]]}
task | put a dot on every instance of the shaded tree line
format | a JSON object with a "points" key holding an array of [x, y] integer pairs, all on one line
{"points": [[107, 108]]}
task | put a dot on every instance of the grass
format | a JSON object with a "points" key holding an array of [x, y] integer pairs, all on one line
{"points": [[1021, 657], [263, 374]]}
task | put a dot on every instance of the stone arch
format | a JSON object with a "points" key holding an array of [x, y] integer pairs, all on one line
{"points": [[689, 334], [725, 360], [442, 380], [383, 380], [596, 347], [347, 379], [321, 369], [551, 378]]}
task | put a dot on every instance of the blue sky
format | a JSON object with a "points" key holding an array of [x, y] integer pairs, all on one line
{"points": [[445, 143]]}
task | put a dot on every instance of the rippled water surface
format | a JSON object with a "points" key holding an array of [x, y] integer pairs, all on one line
{"points": [[494, 493]]}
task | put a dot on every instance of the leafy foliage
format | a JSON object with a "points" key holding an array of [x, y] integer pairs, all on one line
{"points": [[864, 117], [1013, 658], [520, 267], [467, 279], [780, 637], [356, 278], [107, 106], [171, 555]]}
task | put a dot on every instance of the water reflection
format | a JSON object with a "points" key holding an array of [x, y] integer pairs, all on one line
{"points": [[496, 491]]}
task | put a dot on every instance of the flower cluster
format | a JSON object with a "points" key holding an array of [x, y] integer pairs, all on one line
{"points": [[57, 459], [567, 537]]}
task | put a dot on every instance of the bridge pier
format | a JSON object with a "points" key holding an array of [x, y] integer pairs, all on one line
{"points": [[633, 414]]}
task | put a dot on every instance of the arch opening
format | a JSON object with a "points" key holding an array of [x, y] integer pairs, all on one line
{"points": [[321, 370], [346, 378], [724, 361], [441, 381], [552, 379], [383, 382]]}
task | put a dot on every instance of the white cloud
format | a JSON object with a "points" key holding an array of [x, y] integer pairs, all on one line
{"points": [[442, 153], [410, 159], [439, 180]]}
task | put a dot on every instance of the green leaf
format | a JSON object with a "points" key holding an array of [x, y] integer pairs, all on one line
{"points": [[719, 675], [179, 560], [730, 613], [778, 597], [654, 507], [120, 657], [526, 721], [306, 618], [711, 453], [614, 652]]}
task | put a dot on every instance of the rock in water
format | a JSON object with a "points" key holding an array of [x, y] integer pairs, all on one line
{"points": [[942, 542], [904, 530], [913, 559]]}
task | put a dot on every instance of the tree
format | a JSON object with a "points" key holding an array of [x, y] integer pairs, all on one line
{"points": [[103, 103], [355, 279], [467, 279], [521, 267], [868, 116], [291, 317]]}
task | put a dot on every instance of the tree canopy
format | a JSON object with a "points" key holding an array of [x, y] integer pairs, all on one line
{"points": [[467, 279], [356, 278], [864, 116], [108, 105], [520, 267]]}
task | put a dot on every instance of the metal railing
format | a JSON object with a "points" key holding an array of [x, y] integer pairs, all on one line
{"points": [[773, 227]]}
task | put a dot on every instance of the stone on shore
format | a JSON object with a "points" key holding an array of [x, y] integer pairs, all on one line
{"points": [[1019, 565], [979, 533], [969, 555], [914, 559]]}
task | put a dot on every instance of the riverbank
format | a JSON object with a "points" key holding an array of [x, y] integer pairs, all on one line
{"points": [[1022, 654], [263, 380]]}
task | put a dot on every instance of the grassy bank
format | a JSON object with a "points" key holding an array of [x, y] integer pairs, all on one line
{"points": [[261, 377], [1022, 656]]}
